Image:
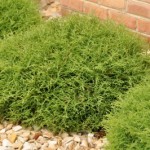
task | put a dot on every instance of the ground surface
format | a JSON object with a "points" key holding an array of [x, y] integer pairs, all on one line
{"points": [[15, 137]]}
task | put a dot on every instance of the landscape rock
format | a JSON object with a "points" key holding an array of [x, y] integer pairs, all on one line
{"points": [[2, 131], [18, 145], [27, 146], [17, 128], [36, 135], [9, 126], [64, 135], [47, 134], [6, 143]]}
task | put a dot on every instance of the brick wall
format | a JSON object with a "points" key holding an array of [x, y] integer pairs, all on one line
{"points": [[135, 14]]}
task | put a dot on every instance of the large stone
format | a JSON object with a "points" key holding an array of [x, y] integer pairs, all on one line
{"points": [[67, 140]]}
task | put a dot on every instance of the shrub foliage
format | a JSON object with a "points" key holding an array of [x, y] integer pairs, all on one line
{"points": [[17, 15], [128, 126], [65, 73]]}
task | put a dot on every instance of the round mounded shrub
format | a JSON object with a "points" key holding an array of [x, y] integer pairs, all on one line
{"points": [[128, 126], [17, 15], [65, 73]]}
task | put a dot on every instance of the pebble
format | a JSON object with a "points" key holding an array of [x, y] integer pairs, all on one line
{"points": [[9, 126], [3, 130], [18, 138], [1, 126], [77, 139], [6, 143], [36, 135], [63, 135], [27, 146], [48, 134], [12, 137], [17, 128]]}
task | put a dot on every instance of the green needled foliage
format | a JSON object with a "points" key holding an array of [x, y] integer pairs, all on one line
{"points": [[65, 73], [17, 15], [128, 126]]}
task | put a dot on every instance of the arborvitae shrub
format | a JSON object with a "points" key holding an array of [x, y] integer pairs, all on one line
{"points": [[17, 15], [128, 126], [65, 73]]}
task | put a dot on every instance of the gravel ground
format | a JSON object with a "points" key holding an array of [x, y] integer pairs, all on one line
{"points": [[15, 137]]}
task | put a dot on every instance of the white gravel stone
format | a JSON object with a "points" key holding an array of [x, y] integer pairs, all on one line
{"points": [[17, 128], [67, 139], [6, 143], [3, 130], [52, 142], [84, 143], [77, 138], [27, 146]]}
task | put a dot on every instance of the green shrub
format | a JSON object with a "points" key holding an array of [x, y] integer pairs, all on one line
{"points": [[66, 73], [128, 126], [17, 15]]}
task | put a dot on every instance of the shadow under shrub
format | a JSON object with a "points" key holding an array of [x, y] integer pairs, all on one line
{"points": [[17, 15], [128, 126], [66, 73]]}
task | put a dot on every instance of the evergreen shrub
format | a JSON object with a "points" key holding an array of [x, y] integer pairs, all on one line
{"points": [[64, 74], [128, 125], [17, 15]]}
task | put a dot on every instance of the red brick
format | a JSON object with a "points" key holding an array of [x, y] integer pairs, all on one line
{"points": [[123, 18], [94, 1], [64, 2], [139, 8], [65, 11], [144, 26], [147, 1], [73, 4], [91, 8], [118, 4]]}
